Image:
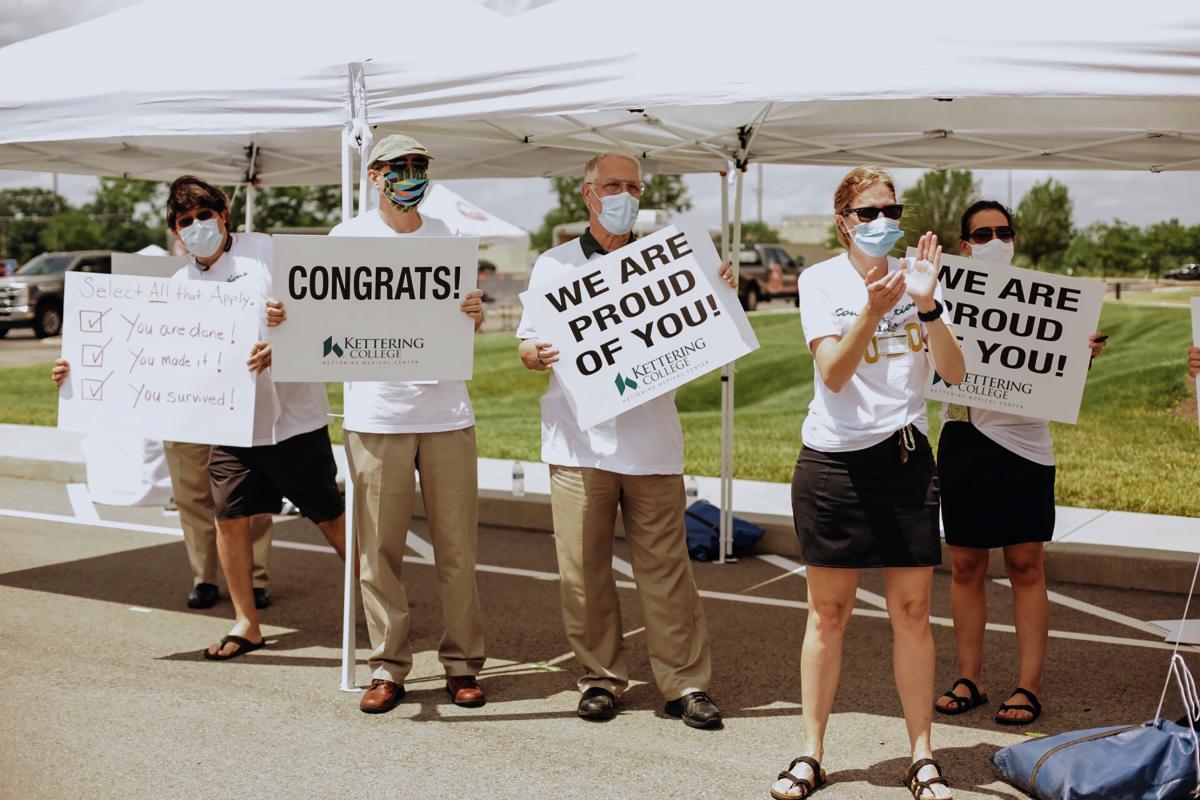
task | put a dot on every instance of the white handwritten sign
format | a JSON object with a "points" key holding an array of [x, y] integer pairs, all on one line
{"points": [[1024, 337], [374, 308], [639, 322], [158, 358]]}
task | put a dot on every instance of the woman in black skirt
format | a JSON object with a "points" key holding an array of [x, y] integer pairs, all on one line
{"points": [[864, 494], [997, 475]]}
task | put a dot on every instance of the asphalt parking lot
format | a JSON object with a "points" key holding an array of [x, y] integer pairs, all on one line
{"points": [[105, 694]]}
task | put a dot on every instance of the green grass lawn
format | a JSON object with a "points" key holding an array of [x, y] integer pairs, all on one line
{"points": [[1130, 451]]}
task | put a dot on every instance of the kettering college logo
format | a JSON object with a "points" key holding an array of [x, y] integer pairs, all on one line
{"points": [[671, 366], [363, 350]]}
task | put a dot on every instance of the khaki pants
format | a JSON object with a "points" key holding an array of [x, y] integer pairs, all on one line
{"points": [[584, 503], [188, 465], [383, 467]]}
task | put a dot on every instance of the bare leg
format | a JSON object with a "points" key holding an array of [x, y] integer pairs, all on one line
{"points": [[335, 534], [968, 593], [1031, 615], [830, 602], [237, 562], [907, 590]]}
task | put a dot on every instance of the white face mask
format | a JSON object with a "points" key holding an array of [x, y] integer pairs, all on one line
{"points": [[996, 250], [618, 212], [203, 237]]}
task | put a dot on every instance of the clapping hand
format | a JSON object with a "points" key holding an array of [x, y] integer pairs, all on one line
{"points": [[921, 273]]}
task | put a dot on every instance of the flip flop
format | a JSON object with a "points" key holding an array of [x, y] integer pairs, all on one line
{"points": [[244, 646], [1034, 708], [962, 704], [918, 787]]}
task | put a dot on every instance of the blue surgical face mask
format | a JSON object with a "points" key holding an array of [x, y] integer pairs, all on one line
{"points": [[618, 212], [875, 238], [203, 237]]}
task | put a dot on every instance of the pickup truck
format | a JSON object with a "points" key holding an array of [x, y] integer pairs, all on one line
{"points": [[767, 272], [33, 296]]}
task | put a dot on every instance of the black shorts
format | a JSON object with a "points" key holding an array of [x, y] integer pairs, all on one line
{"points": [[992, 497], [865, 508], [254, 480]]}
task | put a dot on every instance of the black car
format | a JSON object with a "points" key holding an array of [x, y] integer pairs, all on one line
{"points": [[1188, 272], [767, 272], [33, 296]]}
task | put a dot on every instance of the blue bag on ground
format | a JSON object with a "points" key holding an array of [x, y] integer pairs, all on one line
{"points": [[703, 522], [1149, 761]]}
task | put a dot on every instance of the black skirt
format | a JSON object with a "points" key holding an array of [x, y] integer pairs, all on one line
{"points": [[992, 497], [866, 508]]}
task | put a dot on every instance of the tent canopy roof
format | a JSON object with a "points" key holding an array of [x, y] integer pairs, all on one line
{"points": [[1038, 86]]}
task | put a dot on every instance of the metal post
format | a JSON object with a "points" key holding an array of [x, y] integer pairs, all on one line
{"points": [[725, 377], [349, 596], [248, 227], [760, 191]]}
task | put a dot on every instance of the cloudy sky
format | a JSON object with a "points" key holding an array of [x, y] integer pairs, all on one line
{"points": [[1141, 198]]}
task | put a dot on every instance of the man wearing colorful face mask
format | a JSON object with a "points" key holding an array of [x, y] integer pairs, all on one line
{"points": [[997, 472], [395, 430], [291, 454], [634, 462]]}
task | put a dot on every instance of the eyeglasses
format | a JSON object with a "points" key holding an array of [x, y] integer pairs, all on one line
{"points": [[409, 162], [984, 235], [609, 188], [868, 213], [203, 215]]}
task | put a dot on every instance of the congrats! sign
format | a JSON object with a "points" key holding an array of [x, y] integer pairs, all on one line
{"points": [[639, 322], [373, 308], [1024, 337]]}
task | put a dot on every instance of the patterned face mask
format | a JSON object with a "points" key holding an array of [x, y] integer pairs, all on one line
{"points": [[405, 187]]}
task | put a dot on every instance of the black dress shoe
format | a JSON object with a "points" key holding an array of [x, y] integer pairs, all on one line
{"points": [[597, 705], [696, 710], [262, 597], [203, 595]]}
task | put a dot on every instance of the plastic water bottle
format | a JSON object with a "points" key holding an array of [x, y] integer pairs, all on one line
{"points": [[518, 479], [692, 488]]}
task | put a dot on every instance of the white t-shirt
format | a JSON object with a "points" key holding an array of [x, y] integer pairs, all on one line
{"points": [[646, 440], [281, 410], [402, 406], [886, 392]]}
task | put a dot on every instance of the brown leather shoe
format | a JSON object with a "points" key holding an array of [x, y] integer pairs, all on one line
{"points": [[381, 696], [465, 691]]}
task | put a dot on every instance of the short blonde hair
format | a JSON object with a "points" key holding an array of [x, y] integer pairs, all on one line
{"points": [[857, 181], [593, 165]]}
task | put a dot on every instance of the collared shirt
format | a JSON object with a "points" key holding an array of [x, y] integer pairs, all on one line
{"points": [[592, 248], [645, 440]]}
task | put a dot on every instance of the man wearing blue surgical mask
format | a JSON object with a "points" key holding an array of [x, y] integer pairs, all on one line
{"points": [[635, 463]]}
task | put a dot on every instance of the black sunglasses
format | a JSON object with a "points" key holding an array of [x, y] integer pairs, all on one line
{"points": [[202, 215], [868, 213], [409, 162], [984, 235]]}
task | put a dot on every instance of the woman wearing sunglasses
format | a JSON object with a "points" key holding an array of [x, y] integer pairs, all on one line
{"points": [[864, 493], [997, 476]]}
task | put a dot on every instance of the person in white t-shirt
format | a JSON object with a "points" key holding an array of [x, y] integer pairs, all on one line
{"points": [[1193, 361], [634, 462], [864, 492], [997, 479], [395, 430]]}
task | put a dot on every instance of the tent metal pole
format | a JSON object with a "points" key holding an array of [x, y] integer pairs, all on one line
{"points": [[347, 182], [248, 227], [349, 596], [725, 375]]}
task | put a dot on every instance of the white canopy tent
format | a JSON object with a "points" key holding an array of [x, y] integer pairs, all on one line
{"points": [[1034, 85], [500, 241]]}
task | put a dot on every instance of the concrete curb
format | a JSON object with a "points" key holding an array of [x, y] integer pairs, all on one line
{"points": [[1075, 562]]}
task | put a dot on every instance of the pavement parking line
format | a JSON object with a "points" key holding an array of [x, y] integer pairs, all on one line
{"points": [[1096, 611], [423, 548], [622, 566], [81, 502], [796, 568], [553, 576]]}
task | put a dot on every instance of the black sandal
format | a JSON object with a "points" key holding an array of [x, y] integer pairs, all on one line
{"points": [[244, 646], [962, 704], [807, 787], [1034, 708], [918, 787]]}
